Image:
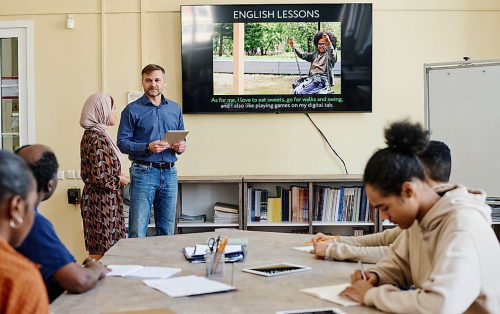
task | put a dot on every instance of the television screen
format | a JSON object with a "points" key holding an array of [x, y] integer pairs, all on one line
{"points": [[276, 58]]}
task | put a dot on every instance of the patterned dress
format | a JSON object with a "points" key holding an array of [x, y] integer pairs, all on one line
{"points": [[102, 203]]}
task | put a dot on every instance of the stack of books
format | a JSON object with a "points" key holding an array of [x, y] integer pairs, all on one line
{"points": [[192, 219], [126, 213], [358, 231], [494, 203], [226, 213]]}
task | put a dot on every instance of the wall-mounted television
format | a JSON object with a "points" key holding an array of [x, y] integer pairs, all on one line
{"points": [[239, 58]]}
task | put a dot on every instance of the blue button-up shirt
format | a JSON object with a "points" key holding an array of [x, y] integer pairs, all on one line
{"points": [[142, 122]]}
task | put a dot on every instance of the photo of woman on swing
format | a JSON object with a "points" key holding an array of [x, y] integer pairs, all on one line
{"points": [[322, 62]]}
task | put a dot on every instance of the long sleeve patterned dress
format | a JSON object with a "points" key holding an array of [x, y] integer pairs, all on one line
{"points": [[102, 203]]}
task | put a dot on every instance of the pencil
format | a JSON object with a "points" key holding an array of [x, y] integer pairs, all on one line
{"points": [[219, 252], [323, 239]]}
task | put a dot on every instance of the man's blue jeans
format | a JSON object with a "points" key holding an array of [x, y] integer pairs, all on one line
{"points": [[152, 187]]}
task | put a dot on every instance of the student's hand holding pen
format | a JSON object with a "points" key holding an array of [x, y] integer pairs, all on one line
{"points": [[371, 278], [357, 290], [322, 237], [320, 243], [361, 282], [320, 248]]}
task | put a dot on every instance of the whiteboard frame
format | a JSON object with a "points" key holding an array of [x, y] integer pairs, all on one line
{"points": [[428, 67], [448, 65]]}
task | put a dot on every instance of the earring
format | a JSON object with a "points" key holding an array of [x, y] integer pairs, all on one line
{"points": [[13, 224]]}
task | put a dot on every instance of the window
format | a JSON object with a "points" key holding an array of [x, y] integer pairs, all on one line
{"points": [[17, 125]]}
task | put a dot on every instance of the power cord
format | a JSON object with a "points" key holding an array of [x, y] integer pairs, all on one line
{"points": [[328, 142]]}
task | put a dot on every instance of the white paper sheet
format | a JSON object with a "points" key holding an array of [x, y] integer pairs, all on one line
{"points": [[187, 285], [122, 270], [308, 249], [138, 271], [331, 293]]}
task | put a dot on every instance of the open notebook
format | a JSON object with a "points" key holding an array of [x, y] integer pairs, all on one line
{"points": [[331, 293], [138, 271]]}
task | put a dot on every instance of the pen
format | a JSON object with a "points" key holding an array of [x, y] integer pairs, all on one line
{"points": [[323, 239], [362, 270]]}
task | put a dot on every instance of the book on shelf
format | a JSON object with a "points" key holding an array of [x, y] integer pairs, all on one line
{"points": [[263, 205], [358, 231], [225, 217], [224, 207], [193, 219]]}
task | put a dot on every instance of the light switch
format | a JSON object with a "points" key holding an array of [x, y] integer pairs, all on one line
{"points": [[78, 174], [60, 175], [70, 174]]}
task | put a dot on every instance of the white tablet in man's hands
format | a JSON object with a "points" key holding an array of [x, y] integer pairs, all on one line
{"points": [[174, 136]]}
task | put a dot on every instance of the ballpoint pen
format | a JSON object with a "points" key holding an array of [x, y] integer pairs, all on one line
{"points": [[362, 270]]}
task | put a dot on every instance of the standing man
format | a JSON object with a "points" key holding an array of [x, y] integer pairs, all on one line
{"points": [[153, 174]]}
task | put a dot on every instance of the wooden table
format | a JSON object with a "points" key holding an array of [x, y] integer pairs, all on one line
{"points": [[253, 294]]}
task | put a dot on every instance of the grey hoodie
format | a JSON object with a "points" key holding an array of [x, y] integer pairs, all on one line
{"points": [[452, 258]]}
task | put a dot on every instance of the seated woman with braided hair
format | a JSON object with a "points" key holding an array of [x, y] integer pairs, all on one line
{"points": [[322, 62]]}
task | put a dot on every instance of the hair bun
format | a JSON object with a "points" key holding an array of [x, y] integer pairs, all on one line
{"points": [[406, 137]]}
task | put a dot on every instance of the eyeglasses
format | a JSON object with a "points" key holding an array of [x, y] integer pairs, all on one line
{"points": [[321, 44]]}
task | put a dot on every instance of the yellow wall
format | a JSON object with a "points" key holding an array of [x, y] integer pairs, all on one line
{"points": [[104, 52]]}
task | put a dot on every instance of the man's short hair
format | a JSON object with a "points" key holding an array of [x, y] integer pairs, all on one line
{"points": [[44, 169], [436, 160], [152, 67]]}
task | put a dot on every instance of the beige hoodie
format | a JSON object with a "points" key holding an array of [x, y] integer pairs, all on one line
{"points": [[367, 249], [451, 257], [370, 248]]}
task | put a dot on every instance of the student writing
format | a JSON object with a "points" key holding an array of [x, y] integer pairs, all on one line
{"points": [[450, 255], [436, 161]]}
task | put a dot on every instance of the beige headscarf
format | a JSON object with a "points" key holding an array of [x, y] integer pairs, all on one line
{"points": [[96, 114]]}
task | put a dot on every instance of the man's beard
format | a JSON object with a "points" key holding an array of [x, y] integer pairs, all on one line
{"points": [[151, 91]]}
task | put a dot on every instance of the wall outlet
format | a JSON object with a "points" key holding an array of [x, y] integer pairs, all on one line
{"points": [[60, 175], [70, 174]]}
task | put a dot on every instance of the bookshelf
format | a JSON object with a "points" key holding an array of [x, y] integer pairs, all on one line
{"points": [[308, 182], [197, 195]]}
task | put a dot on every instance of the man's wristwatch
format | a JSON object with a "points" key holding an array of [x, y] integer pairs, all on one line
{"points": [[147, 150]]}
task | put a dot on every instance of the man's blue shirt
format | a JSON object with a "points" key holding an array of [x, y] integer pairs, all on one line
{"points": [[42, 246], [142, 122]]}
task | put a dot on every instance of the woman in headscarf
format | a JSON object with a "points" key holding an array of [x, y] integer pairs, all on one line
{"points": [[21, 284], [101, 165]]}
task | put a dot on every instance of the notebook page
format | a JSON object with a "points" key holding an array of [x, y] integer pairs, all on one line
{"points": [[153, 272], [187, 285], [308, 249], [331, 293], [122, 270]]}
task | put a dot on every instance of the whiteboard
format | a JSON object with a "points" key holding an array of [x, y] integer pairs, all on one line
{"points": [[463, 111]]}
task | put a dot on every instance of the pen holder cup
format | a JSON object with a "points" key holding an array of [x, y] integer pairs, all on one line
{"points": [[215, 263]]}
